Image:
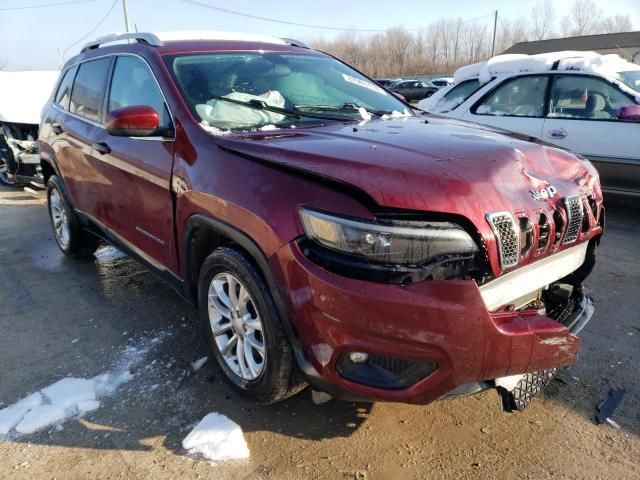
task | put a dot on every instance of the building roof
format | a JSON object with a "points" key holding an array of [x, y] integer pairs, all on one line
{"points": [[605, 41]]}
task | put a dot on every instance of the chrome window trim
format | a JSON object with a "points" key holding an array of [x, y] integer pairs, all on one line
{"points": [[98, 124]]}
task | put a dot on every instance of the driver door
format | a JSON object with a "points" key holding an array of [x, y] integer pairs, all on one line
{"points": [[582, 117]]}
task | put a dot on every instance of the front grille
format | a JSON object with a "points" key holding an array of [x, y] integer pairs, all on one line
{"points": [[575, 212], [507, 237]]}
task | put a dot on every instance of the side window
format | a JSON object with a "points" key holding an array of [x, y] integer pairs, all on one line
{"points": [[88, 88], [518, 97], [457, 95], [64, 89], [574, 96], [133, 84]]}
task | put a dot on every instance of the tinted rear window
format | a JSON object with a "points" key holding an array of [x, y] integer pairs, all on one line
{"points": [[88, 88]]}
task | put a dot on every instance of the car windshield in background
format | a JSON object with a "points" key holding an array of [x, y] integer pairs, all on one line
{"points": [[631, 79], [457, 95], [242, 91]]}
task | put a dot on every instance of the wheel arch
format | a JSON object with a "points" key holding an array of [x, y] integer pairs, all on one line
{"points": [[214, 233]]}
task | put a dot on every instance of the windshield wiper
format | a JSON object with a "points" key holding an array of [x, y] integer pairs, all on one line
{"points": [[349, 106], [262, 105]]}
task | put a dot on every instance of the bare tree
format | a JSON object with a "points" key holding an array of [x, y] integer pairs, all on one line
{"points": [[543, 17], [447, 44], [584, 18], [616, 24], [511, 32]]}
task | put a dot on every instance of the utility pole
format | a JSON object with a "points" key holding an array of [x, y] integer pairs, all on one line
{"points": [[126, 16], [495, 26]]}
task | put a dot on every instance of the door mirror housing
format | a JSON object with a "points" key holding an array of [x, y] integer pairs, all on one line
{"points": [[630, 113], [133, 121]]}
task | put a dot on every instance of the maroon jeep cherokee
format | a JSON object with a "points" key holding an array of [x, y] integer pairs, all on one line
{"points": [[329, 233]]}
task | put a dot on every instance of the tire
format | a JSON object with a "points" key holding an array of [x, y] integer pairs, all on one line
{"points": [[6, 157], [72, 239], [266, 378]]}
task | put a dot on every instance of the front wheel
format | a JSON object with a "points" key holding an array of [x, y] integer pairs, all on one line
{"points": [[72, 239], [244, 330]]}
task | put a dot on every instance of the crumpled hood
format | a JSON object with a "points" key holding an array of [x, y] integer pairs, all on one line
{"points": [[425, 163]]}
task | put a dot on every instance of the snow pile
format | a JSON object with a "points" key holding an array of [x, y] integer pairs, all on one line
{"points": [[108, 254], [67, 398], [216, 438], [396, 114], [24, 94], [229, 36], [606, 66]]}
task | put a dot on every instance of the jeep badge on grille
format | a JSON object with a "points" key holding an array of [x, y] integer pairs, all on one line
{"points": [[544, 193]]}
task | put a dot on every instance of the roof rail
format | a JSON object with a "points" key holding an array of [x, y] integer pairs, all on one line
{"points": [[148, 38], [295, 43]]}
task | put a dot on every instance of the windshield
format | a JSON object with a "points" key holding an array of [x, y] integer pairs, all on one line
{"points": [[244, 91], [631, 79]]}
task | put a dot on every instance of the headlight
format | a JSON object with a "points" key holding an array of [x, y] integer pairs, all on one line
{"points": [[401, 246]]}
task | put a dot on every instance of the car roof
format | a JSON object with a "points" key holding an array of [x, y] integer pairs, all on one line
{"points": [[167, 43]]}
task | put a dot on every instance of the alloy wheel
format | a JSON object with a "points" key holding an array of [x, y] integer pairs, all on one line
{"points": [[236, 326], [60, 219]]}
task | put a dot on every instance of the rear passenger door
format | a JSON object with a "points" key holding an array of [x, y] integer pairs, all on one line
{"points": [[139, 206], [77, 125], [517, 104]]}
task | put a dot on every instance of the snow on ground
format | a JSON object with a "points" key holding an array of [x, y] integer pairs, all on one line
{"points": [[108, 254], [69, 397], [216, 438]]}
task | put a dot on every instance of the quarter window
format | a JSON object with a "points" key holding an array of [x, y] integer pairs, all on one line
{"points": [[88, 88], [64, 89], [582, 97], [518, 97], [134, 84]]}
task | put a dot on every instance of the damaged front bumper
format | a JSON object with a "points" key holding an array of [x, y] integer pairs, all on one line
{"points": [[517, 391], [438, 338]]}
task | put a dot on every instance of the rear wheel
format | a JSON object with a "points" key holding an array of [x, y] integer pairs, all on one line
{"points": [[244, 330], [72, 239]]}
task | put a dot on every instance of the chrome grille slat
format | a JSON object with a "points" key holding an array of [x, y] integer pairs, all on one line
{"points": [[507, 235], [575, 212]]}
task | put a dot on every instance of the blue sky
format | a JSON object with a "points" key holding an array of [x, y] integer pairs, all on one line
{"points": [[31, 38]]}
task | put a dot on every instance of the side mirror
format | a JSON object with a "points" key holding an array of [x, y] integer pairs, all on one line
{"points": [[630, 113], [133, 121]]}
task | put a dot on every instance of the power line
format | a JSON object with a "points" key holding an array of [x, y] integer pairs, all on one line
{"points": [[307, 25], [44, 5], [98, 25]]}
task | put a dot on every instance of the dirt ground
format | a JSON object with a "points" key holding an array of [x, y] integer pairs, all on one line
{"points": [[60, 317]]}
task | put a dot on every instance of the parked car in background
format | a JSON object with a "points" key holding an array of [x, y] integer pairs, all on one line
{"points": [[328, 233], [22, 96], [441, 82], [582, 101], [387, 82], [413, 90]]}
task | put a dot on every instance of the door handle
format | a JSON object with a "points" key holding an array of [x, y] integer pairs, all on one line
{"points": [[102, 147], [561, 133], [57, 128]]}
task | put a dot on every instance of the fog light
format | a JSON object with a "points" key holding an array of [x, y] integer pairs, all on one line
{"points": [[358, 357]]}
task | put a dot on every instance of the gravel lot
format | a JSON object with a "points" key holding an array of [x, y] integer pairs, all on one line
{"points": [[61, 317]]}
